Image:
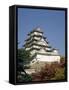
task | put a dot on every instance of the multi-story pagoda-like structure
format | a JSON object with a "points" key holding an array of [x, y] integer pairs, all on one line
{"points": [[40, 48]]}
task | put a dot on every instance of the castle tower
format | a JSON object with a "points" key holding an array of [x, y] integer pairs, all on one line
{"points": [[40, 48]]}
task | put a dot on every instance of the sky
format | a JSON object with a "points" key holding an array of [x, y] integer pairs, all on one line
{"points": [[51, 22]]}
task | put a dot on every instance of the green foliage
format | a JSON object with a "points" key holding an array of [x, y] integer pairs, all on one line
{"points": [[24, 78], [22, 61], [62, 58], [24, 56], [59, 74]]}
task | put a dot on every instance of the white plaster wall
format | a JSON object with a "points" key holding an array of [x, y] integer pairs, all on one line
{"points": [[36, 33], [34, 46], [38, 38], [48, 48], [55, 51], [33, 52], [48, 58], [27, 48], [30, 71], [42, 50], [42, 42]]}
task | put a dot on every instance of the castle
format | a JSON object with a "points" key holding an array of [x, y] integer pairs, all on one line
{"points": [[39, 47]]}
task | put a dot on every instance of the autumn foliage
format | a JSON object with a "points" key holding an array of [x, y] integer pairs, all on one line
{"points": [[53, 71]]}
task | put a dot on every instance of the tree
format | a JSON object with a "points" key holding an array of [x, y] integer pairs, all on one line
{"points": [[46, 73], [24, 56], [23, 59], [53, 71], [59, 75]]}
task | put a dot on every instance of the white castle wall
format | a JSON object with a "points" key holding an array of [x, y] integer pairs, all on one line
{"points": [[42, 42], [33, 52], [36, 33], [48, 58]]}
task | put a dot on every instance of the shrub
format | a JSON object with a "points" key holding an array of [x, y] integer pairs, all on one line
{"points": [[24, 78], [46, 73], [59, 75], [53, 71]]}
